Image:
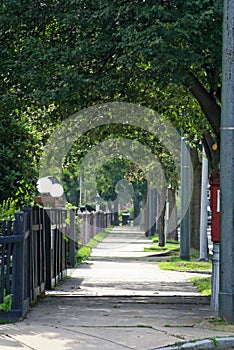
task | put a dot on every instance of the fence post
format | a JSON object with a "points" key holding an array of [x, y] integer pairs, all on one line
{"points": [[18, 265], [82, 228], [85, 227], [48, 268], [72, 239], [91, 227]]}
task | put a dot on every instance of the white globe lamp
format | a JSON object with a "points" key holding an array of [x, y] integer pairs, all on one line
{"points": [[56, 190], [44, 185]]}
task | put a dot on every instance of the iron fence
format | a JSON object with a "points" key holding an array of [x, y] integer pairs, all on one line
{"points": [[36, 247]]}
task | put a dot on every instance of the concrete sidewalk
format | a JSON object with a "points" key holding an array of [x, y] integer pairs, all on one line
{"points": [[119, 299]]}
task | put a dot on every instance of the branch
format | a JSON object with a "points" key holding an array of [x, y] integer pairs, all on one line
{"points": [[206, 101]]}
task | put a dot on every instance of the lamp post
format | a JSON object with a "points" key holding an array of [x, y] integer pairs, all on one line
{"points": [[50, 192]]}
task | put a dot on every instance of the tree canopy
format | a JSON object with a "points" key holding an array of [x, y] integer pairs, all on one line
{"points": [[61, 56]]}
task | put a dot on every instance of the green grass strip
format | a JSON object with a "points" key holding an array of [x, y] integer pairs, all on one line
{"points": [[167, 247], [203, 284], [85, 251], [182, 265]]}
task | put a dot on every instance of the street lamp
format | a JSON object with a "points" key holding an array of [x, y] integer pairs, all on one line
{"points": [[50, 192]]}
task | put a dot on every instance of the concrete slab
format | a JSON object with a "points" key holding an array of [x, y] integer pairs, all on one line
{"points": [[117, 304], [108, 323]]}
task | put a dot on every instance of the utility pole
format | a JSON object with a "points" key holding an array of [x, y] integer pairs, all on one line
{"points": [[204, 216], [185, 199], [226, 294]]}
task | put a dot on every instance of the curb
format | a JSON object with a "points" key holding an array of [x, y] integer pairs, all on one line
{"points": [[219, 343]]}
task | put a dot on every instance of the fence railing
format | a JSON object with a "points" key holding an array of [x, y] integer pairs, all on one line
{"points": [[35, 250], [91, 223]]}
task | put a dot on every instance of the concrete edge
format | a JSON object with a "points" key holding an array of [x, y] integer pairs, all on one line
{"points": [[217, 343], [137, 299]]}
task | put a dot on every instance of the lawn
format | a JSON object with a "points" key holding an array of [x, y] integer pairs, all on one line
{"points": [[174, 263]]}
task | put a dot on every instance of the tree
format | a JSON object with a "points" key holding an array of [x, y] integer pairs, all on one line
{"points": [[74, 54], [17, 157]]}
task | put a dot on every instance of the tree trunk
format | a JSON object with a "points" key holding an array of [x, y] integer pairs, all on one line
{"points": [[116, 213], [195, 200], [161, 219], [136, 206], [155, 211], [143, 212], [147, 209], [172, 232]]}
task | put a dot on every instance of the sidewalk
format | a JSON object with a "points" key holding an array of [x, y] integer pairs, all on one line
{"points": [[119, 299]]}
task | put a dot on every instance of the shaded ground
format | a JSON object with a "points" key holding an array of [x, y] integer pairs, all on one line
{"points": [[119, 300]]}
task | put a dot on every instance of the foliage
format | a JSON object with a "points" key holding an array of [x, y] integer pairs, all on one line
{"points": [[6, 305], [82, 255], [59, 57], [109, 179], [8, 209], [18, 173], [74, 54]]}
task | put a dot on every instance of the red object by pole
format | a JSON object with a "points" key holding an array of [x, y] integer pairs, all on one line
{"points": [[215, 207]]}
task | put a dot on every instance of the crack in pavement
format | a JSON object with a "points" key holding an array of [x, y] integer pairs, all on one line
{"points": [[127, 347], [16, 340], [96, 337]]}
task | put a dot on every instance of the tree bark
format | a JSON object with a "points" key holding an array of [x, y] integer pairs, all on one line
{"points": [[147, 209], [172, 232], [136, 206], [143, 213], [195, 200], [161, 219], [206, 100], [116, 213]]}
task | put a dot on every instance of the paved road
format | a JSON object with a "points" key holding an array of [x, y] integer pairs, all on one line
{"points": [[119, 299]]}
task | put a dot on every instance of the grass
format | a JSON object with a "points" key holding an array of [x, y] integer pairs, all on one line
{"points": [[82, 254], [176, 264], [85, 251], [171, 245], [97, 239], [219, 321], [182, 265], [203, 284], [168, 247]]}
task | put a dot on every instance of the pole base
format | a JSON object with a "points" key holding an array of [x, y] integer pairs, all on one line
{"points": [[226, 306], [203, 259], [185, 257]]}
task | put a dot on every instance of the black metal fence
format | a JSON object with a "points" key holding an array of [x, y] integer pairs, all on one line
{"points": [[35, 250]]}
